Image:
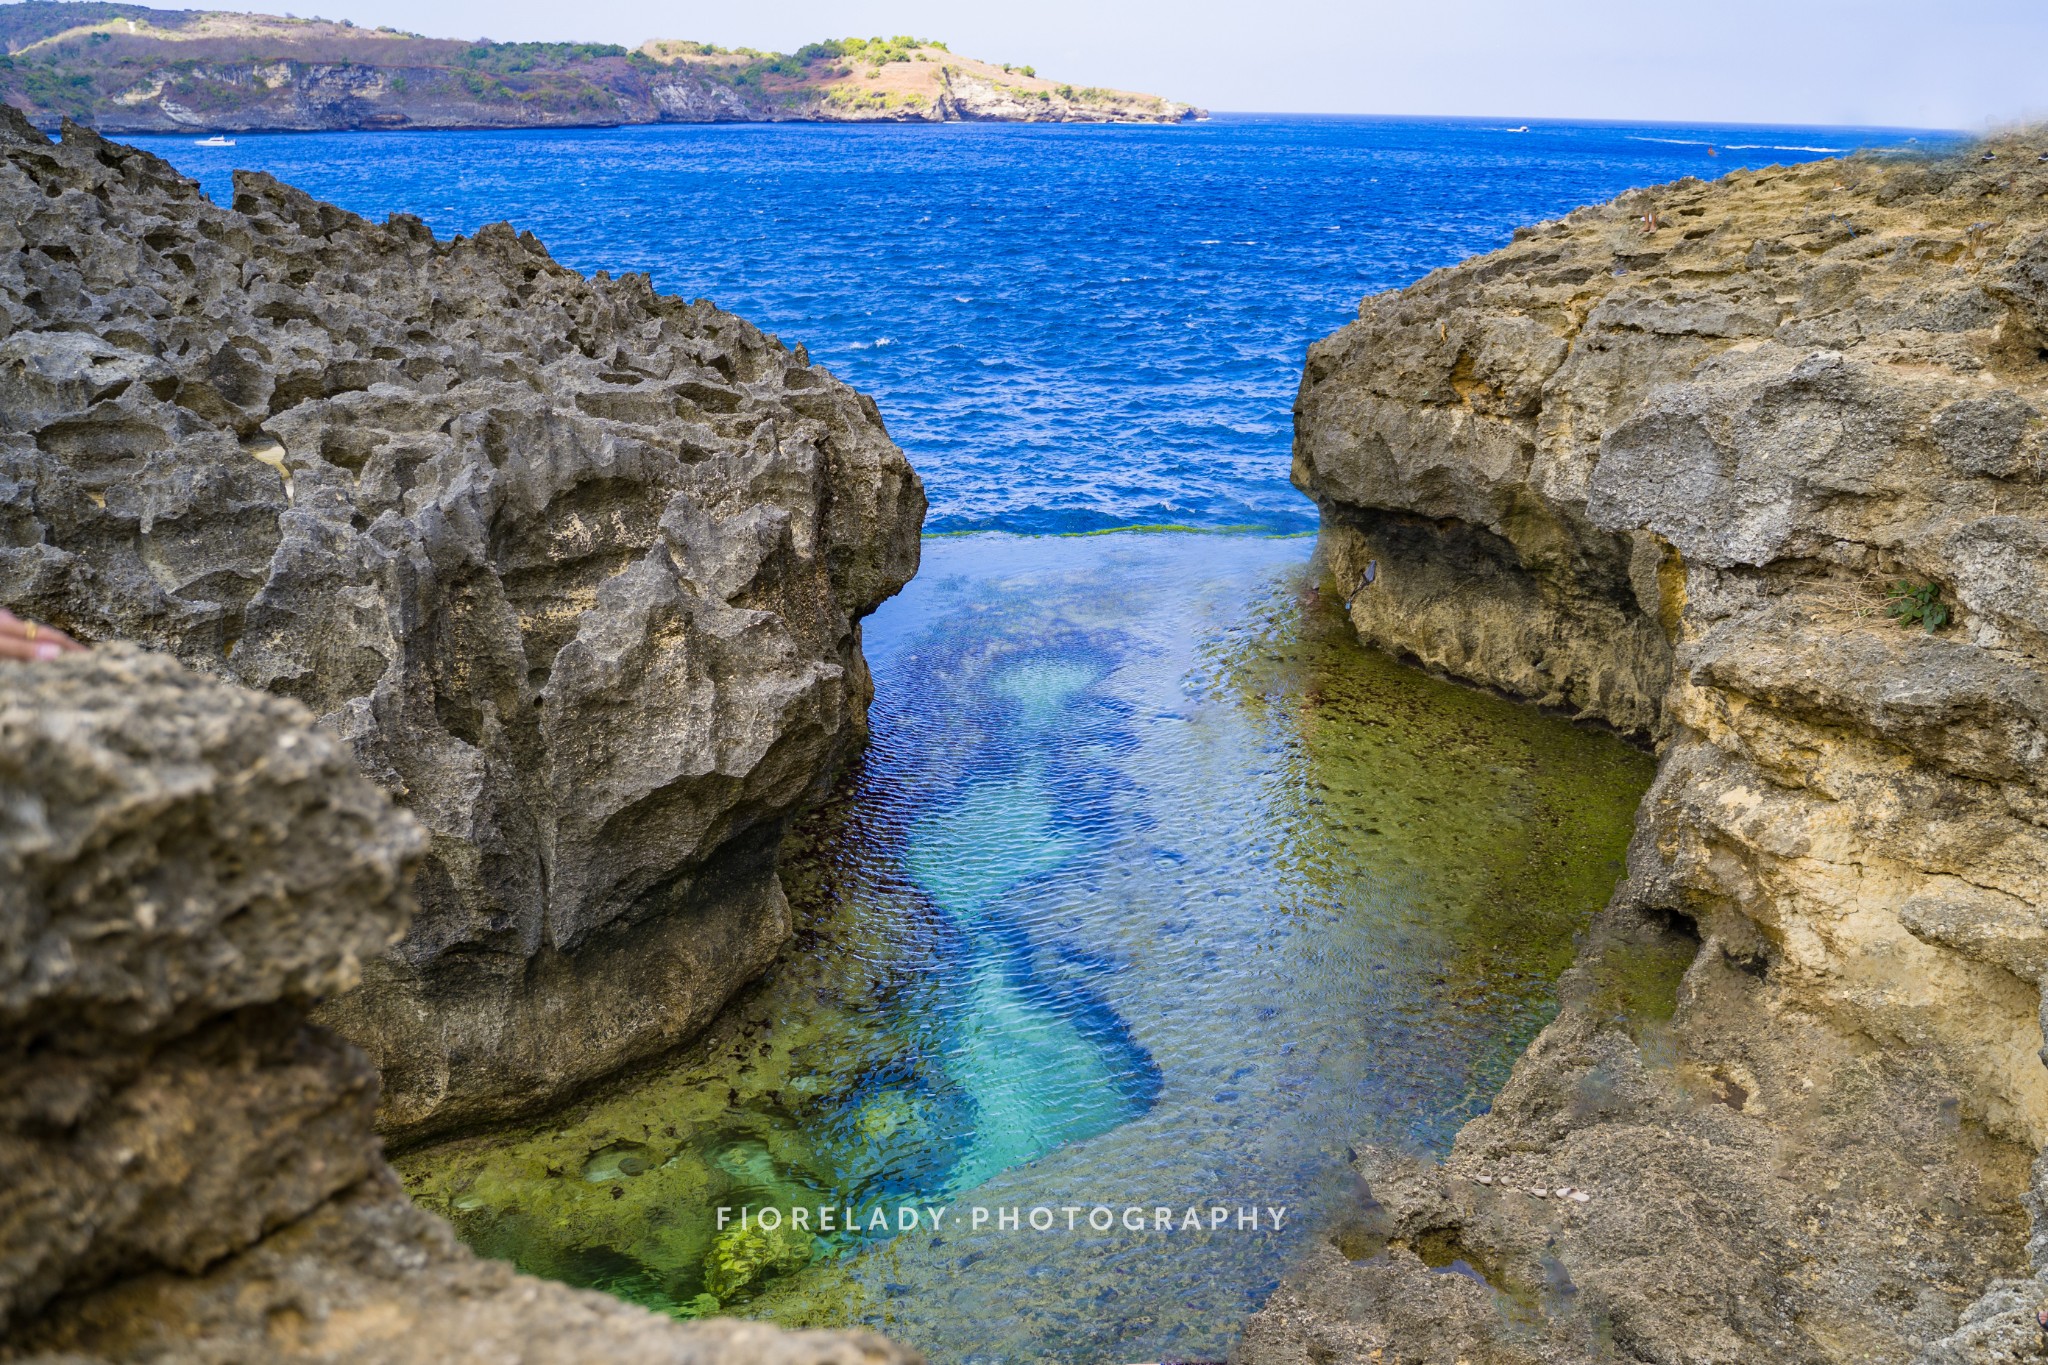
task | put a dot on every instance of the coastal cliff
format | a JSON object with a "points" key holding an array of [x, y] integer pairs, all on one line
{"points": [[1753, 470], [125, 68], [573, 568], [188, 1169]]}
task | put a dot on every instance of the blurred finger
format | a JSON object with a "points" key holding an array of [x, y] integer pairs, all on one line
{"points": [[23, 639], [40, 651]]}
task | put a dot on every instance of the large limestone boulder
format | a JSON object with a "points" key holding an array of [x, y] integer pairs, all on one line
{"points": [[1664, 463], [188, 1167], [183, 869], [575, 569]]}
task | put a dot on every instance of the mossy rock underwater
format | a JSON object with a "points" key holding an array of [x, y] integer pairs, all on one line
{"points": [[742, 1257]]}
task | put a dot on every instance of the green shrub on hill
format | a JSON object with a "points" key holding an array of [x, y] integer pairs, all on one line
{"points": [[829, 59], [878, 52], [509, 59], [70, 94], [34, 20]]}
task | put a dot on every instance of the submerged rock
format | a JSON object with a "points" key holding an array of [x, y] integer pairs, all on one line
{"points": [[1680, 463], [742, 1257], [574, 568]]}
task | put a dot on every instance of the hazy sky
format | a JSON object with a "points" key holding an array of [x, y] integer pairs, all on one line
{"points": [[1934, 63]]}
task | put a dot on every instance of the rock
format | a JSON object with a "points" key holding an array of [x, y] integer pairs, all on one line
{"points": [[1663, 462], [188, 1167], [575, 569], [176, 857], [742, 1257], [368, 1279]]}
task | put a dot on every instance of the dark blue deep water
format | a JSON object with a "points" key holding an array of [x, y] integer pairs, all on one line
{"points": [[1068, 328]]}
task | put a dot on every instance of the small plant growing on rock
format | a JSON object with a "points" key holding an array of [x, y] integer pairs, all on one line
{"points": [[1918, 606]]}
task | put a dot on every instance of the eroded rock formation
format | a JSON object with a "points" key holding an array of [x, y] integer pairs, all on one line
{"points": [[188, 1168], [574, 568], [1667, 462]]}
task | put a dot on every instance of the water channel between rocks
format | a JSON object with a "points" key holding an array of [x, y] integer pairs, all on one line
{"points": [[1154, 890]]}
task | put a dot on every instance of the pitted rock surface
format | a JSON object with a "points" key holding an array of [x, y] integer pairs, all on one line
{"points": [[575, 568], [176, 857], [369, 1279], [188, 1167], [1665, 462]]}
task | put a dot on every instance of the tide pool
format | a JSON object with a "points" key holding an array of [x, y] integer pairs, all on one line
{"points": [[1154, 890]]}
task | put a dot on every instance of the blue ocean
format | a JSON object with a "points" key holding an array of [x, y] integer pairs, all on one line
{"points": [[1156, 896], [1067, 327]]}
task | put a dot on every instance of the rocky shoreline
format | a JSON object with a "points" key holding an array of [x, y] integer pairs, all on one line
{"points": [[1679, 462], [188, 1168], [495, 621]]}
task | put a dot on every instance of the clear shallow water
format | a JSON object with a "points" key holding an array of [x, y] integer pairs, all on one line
{"points": [[1154, 890], [1068, 328]]}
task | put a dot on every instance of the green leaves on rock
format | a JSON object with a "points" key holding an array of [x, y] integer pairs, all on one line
{"points": [[1921, 606]]}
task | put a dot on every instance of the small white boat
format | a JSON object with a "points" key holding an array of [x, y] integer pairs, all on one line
{"points": [[1523, 129], [215, 141]]}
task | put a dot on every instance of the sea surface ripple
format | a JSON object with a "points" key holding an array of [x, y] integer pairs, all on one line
{"points": [[1068, 328]]}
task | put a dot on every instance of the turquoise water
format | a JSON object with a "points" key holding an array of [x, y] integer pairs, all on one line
{"points": [[1153, 891]]}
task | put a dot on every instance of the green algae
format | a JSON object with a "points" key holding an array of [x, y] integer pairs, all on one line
{"points": [[1636, 977], [742, 1257], [785, 1098], [1155, 886], [1497, 828]]}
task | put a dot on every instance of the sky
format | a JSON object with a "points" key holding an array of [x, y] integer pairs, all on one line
{"points": [[1964, 64]]}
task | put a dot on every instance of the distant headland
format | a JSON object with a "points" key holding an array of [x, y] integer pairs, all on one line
{"points": [[132, 69]]}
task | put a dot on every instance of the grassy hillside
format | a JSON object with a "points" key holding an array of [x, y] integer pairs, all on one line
{"points": [[128, 68]]}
